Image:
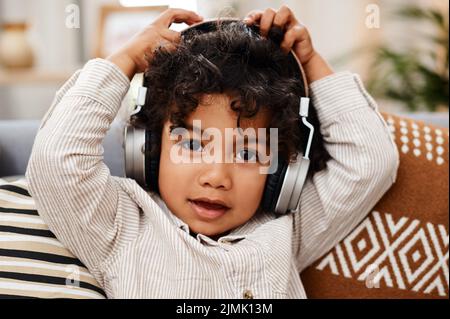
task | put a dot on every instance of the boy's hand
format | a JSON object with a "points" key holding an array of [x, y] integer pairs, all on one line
{"points": [[296, 38], [133, 57]]}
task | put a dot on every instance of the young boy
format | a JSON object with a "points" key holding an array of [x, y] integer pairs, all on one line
{"points": [[138, 245]]}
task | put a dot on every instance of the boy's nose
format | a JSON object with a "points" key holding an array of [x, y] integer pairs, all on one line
{"points": [[216, 175]]}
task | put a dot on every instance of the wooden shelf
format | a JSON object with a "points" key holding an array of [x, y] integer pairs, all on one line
{"points": [[34, 76]]}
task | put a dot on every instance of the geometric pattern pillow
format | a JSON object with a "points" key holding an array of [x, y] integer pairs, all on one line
{"points": [[401, 250], [33, 263]]}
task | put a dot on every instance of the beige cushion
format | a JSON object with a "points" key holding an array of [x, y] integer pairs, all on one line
{"points": [[33, 263]]}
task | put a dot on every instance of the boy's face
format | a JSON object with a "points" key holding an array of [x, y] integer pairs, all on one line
{"points": [[239, 185]]}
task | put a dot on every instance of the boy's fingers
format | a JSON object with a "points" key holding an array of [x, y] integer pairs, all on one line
{"points": [[283, 17], [192, 21], [178, 16], [170, 35], [296, 33], [266, 21], [253, 16]]}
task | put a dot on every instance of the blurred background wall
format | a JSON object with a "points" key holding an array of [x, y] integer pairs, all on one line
{"points": [[63, 34]]}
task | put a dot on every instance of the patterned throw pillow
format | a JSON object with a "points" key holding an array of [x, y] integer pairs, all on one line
{"points": [[33, 263], [401, 249]]}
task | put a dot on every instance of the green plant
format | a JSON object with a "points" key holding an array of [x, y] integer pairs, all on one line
{"points": [[409, 77]]}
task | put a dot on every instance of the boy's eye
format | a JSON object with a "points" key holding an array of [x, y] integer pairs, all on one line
{"points": [[248, 155], [192, 145], [196, 146]]}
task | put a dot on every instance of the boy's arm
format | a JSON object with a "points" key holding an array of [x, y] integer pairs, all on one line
{"points": [[363, 167], [71, 185]]}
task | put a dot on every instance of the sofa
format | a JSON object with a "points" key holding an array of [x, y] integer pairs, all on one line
{"points": [[399, 251]]}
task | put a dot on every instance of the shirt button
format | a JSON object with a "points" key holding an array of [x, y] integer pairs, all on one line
{"points": [[248, 294]]}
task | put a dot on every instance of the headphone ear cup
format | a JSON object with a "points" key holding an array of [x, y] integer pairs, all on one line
{"points": [[273, 187], [151, 163]]}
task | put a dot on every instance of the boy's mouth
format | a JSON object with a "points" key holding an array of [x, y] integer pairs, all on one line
{"points": [[208, 208]]}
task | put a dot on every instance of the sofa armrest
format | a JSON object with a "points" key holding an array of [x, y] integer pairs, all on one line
{"points": [[17, 138]]}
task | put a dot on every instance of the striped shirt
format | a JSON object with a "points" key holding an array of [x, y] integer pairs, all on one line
{"points": [[136, 248]]}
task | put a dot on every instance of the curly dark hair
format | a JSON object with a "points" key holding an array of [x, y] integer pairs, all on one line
{"points": [[232, 59]]}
